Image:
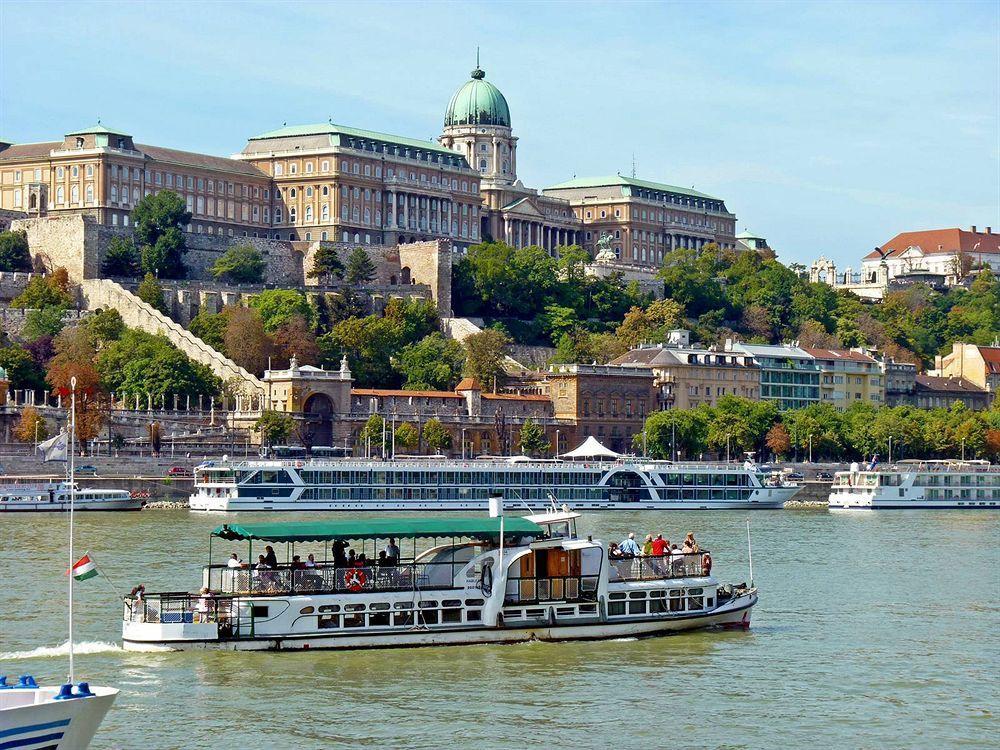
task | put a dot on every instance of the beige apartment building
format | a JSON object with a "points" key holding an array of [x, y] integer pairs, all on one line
{"points": [[645, 220], [688, 376], [343, 184], [977, 364], [847, 376], [104, 173]]}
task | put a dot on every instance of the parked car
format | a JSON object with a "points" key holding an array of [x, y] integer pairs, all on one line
{"points": [[86, 471], [794, 475], [824, 475], [178, 471]]}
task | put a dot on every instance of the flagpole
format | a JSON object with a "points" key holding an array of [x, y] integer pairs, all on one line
{"points": [[72, 502]]}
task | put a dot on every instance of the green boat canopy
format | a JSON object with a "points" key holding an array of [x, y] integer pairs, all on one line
{"points": [[405, 528]]}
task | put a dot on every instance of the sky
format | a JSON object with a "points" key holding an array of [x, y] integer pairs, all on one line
{"points": [[826, 127]]}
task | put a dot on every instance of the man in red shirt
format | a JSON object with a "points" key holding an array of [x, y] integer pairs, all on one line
{"points": [[659, 546]]}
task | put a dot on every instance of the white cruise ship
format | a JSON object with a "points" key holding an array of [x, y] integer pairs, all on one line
{"points": [[438, 484], [917, 484]]}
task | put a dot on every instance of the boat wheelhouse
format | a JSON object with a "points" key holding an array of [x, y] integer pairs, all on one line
{"points": [[51, 496], [441, 484], [455, 581], [918, 484]]}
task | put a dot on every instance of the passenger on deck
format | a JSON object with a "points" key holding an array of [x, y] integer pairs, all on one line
{"points": [[262, 563], [310, 561], [628, 547], [297, 563], [234, 561], [339, 553], [647, 545], [362, 561], [204, 606], [659, 545], [383, 559], [392, 552], [352, 560], [269, 557], [689, 544], [613, 552]]}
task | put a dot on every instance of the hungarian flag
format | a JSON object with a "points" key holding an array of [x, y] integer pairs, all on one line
{"points": [[84, 568]]}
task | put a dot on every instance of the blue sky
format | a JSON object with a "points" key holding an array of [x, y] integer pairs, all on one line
{"points": [[826, 127]]}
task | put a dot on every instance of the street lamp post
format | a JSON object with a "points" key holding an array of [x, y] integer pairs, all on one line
{"points": [[963, 448], [557, 443], [810, 448], [890, 450], [727, 447], [463, 443]]}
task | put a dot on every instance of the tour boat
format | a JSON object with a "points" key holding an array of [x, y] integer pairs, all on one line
{"points": [[55, 496], [478, 580], [34, 717], [439, 484], [917, 484]]}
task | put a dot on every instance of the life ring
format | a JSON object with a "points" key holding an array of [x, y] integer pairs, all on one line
{"points": [[706, 564], [355, 579]]}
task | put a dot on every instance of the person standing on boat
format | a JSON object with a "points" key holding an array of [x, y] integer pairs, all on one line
{"points": [[647, 546], [270, 558], [392, 552], [234, 561], [629, 547], [340, 553]]}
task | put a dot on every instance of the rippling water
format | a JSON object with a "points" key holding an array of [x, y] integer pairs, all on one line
{"points": [[874, 630]]}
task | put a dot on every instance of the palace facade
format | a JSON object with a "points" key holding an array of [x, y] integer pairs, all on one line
{"points": [[344, 184]]}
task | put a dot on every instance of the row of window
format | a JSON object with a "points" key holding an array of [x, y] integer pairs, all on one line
{"points": [[369, 170]]}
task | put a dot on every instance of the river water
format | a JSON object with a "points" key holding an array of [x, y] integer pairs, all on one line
{"points": [[874, 630]]}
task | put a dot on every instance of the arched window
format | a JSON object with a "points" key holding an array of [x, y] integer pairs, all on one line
{"points": [[325, 213], [90, 193], [279, 169], [309, 213], [292, 193], [482, 165], [293, 168], [357, 236], [292, 215], [61, 195], [309, 192], [309, 167]]}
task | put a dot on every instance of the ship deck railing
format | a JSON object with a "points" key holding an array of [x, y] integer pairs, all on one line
{"points": [[657, 567]]}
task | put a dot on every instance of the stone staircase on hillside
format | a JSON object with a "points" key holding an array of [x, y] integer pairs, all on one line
{"points": [[138, 314], [461, 328]]}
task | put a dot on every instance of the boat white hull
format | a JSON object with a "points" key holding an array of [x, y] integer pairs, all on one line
{"points": [[775, 500], [732, 614], [915, 501], [44, 506], [31, 720]]}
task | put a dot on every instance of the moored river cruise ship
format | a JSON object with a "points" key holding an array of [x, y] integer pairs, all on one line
{"points": [[477, 580], [917, 484], [439, 484]]}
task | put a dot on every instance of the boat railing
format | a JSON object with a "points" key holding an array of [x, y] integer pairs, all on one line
{"points": [[656, 568], [331, 578], [552, 588]]}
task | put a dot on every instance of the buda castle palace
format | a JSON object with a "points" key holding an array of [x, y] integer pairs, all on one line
{"points": [[343, 184]]}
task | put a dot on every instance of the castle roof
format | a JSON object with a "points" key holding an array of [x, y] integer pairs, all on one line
{"points": [[932, 241], [626, 183]]}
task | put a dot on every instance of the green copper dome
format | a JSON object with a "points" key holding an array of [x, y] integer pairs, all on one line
{"points": [[478, 102]]}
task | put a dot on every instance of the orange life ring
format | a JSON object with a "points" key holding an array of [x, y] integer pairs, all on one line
{"points": [[355, 579], [706, 564]]}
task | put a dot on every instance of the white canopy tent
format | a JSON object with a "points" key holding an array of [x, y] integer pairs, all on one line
{"points": [[591, 449]]}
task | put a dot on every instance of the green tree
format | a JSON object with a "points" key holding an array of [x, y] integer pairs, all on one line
{"points": [[684, 431], [47, 321], [274, 427], [44, 291], [484, 357], [374, 434], [242, 264], [142, 363], [436, 436], [121, 258], [210, 328], [278, 306], [360, 268], [105, 326], [406, 436], [22, 370], [150, 291], [532, 439], [327, 265], [432, 364], [369, 344], [14, 254], [159, 219]]}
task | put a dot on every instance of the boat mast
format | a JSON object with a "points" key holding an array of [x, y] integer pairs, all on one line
{"points": [[750, 551], [72, 498]]}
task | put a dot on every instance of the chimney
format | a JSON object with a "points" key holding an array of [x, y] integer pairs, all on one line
{"points": [[989, 230], [973, 229]]}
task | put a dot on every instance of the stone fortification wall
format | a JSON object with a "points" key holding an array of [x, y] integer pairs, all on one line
{"points": [[12, 283], [7, 217], [69, 242], [12, 320], [429, 263], [135, 313]]}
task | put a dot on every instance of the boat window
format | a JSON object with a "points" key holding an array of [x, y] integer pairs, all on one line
{"points": [[330, 608], [637, 595], [658, 604], [475, 602], [402, 618], [617, 595], [329, 621], [474, 615], [451, 615], [451, 603], [534, 613], [354, 607], [676, 602], [428, 617], [616, 608], [378, 619], [306, 611], [425, 605], [258, 610], [354, 621], [378, 606], [403, 605]]}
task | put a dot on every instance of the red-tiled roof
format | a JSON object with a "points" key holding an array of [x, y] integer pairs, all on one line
{"points": [[468, 384], [518, 396], [949, 384], [991, 356], [940, 241], [838, 354], [29, 150]]}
